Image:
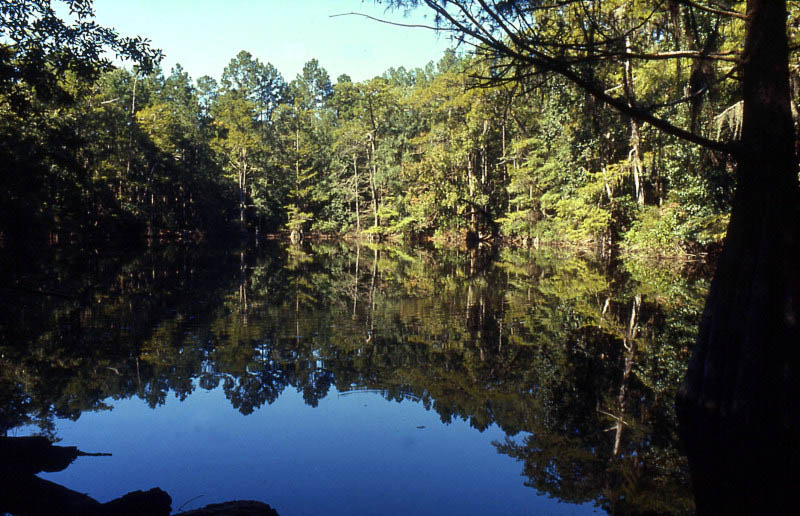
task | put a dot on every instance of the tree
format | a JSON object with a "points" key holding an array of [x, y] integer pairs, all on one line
{"points": [[238, 142], [47, 65], [177, 151], [266, 90], [39, 46], [261, 83], [349, 139], [743, 378], [378, 102], [442, 179], [304, 139], [313, 86]]}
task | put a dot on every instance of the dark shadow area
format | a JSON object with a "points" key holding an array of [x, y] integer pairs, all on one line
{"points": [[22, 493]]}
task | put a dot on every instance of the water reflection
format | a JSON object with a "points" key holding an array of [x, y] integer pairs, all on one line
{"points": [[577, 363]]}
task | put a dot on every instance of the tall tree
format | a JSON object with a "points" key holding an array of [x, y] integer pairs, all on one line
{"points": [[313, 86], [303, 135], [349, 147], [238, 142], [249, 85], [260, 83]]}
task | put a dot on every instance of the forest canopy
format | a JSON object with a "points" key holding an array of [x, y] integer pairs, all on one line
{"points": [[431, 152]]}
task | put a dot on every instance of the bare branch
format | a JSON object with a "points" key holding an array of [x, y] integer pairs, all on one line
{"points": [[677, 54], [396, 24]]}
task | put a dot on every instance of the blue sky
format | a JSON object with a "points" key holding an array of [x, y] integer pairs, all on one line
{"points": [[203, 35]]}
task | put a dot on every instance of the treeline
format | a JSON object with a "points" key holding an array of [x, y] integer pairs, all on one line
{"points": [[437, 152]]}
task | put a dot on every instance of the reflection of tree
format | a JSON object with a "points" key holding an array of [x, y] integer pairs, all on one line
{"points": [[623, 453], [579, 367], [119, 327]]}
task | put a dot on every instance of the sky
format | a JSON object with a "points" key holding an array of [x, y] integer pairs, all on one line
{"points": [[203, 35]]}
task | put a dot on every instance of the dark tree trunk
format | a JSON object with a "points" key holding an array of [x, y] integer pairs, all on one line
{"points": [[738, 405]]}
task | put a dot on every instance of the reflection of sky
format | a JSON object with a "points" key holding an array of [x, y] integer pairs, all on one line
{"points": [[354, 454]]}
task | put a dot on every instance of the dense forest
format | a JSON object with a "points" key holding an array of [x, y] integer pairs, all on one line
{"points": [[438, 152]]}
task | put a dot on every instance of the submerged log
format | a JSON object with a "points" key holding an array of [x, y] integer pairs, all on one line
{"points": [[25, 494], [240, 508], [31, 455]]}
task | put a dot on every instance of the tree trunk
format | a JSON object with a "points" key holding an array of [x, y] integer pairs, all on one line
{"points": [[738, 405], [297, 166], [629, 343], [372, 179], [131, 120], [355, 178], [473, 221], [635, 154], [637, 167], [355, 287]]}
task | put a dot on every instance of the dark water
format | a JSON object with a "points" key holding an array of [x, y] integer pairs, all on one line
{"points": [[331, 379]]}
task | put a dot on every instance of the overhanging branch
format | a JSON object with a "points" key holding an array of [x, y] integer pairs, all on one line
{"points": [[548, 63]]}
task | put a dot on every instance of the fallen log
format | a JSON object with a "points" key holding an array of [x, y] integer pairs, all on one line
{"points": [[31, 455]]}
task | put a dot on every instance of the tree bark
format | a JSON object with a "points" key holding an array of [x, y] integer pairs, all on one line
{"points": [[738, 404]]}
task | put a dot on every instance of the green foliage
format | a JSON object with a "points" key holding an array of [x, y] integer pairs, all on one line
{"points": [[39, 48], [432, 152], [297, 219], [669, 229]]}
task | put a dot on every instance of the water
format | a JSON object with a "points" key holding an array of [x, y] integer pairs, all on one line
{"points": [[354, 380]]}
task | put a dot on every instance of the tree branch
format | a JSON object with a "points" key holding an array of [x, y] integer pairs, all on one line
{"points": [[543, 61], [720, 12], [396, 24]]}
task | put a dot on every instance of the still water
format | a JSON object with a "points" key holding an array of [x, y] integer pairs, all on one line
{"points": [[335, 379]]}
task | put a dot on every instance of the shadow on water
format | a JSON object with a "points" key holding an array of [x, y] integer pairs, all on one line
{"points": [[577, 364]]}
